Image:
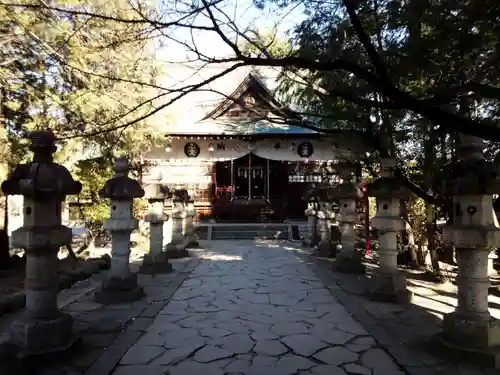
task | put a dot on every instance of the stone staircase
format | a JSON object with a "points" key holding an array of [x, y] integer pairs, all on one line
{"points": [[228, 231]]}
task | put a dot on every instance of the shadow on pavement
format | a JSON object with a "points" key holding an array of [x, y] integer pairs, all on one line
{"points": [[101, 327], [108, 332], [406, 332]]}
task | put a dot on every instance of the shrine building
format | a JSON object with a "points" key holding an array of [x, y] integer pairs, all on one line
{"points": [[247, 157]]}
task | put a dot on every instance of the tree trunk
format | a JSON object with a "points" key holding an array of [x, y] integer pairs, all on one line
{"points": [[429, 162], [4, 239], [432, 241], [411, 256]]}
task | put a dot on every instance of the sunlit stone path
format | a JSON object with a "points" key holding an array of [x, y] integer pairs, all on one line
{"points": [[254, 308]]}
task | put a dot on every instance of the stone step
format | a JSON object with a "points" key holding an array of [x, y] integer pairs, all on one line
{"points": [[250, 227], [247, 231], [248, 235]]}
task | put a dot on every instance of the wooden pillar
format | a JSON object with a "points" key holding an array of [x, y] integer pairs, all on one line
{"points": [[267, 180], [214, 177], [232, 179], [250, 176]]}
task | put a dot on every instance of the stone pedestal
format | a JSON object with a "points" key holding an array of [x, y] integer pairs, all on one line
{"points": [[167, 225], [387, 284], [156, 260], [331, 222], [120, 285], [324, 245], [471, 325], [349, 258], [312, 222], [177, 247], [42, 328], [190, 236], [474, 231], [492, 258]]}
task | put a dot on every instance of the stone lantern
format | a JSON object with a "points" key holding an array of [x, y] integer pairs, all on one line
{"points": [[387, 284], [348, 259], [120, 286], [474, 231], [156, 261], [325, 217], [190, 236], [177, 246], [312, 218], [43, 328]]}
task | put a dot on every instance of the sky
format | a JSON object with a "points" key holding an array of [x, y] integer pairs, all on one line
{"points": [[245, 14], [173, 56]]}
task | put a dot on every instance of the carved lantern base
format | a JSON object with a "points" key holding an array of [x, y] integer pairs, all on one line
{"points": [[30, 338], [176, 251], [192, 241], [117, 290], [326, 249], [470, 331], [389, 288], [350, 262], [475, 341], [155, 263]]}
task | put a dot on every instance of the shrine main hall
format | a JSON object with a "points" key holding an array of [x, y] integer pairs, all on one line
{"points": [[245, 156]]}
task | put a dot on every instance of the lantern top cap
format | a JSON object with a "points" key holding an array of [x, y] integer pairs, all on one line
{"points": [[181, 195], [121, 166], [387, 167], [41, 179], [42, 139], [120, 186]]}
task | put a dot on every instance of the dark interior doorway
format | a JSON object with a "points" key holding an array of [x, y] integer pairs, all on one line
{"points": [[278, 194], [250, 177]]}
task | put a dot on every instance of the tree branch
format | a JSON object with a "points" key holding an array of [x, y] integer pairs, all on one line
{"points": [[449, 93], [367, 44], [133, 21]]}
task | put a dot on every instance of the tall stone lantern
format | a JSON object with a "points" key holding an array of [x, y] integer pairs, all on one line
{"points": [[190, 236], [387, 284], [177, 247], [474, 231], [312, 218], [156, 261], [44, 184], [348, 259], [120, 286], [324, 216]]}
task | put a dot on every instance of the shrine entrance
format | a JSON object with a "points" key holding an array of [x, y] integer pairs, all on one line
{"points": [[252, 188], [251, 177]]}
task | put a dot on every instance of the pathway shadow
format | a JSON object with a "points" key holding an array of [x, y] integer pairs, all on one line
{"points": [[402, 331], [98, 326], [406, 332]]}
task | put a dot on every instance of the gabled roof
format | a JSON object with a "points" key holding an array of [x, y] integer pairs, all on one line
{"points": [[257, 87], [226, 94]]}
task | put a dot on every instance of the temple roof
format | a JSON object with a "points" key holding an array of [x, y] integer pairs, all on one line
{"points": [[242, 102], [260, 126]]}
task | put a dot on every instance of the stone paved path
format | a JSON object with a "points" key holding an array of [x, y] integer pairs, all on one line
{"points": [[254, 309]]}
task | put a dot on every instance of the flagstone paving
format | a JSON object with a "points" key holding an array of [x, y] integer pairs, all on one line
{"points": [[248, 309]]}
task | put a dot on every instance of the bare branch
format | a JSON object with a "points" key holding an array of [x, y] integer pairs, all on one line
{"points": [[182, 93], [219, 32], [178, 22]]}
